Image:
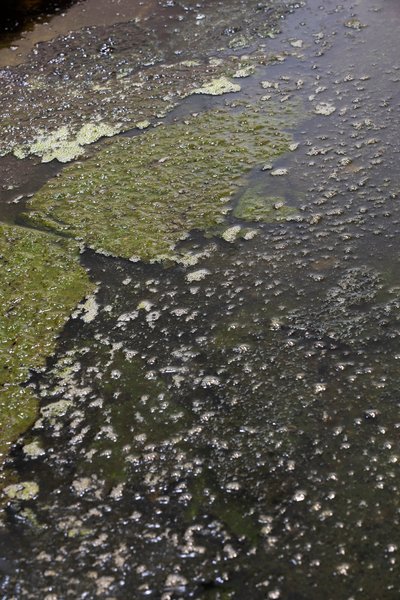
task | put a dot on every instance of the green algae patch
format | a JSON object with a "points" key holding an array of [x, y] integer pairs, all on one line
{"points": [[63, 145], [138, 197], [25, 490], [217, 87], [256, 205], [41, 283], [122, 74]]}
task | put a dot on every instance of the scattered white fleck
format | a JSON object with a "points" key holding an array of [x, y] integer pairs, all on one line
{"points": [[297, 43], [81, 485], [190, 63], [126, 317], [197, 275], [33, 450], [233, 486], [250, 234], [299, 496], [267, 85], [354, 24], [153, 316], [324, 108], [179, 312], [320, 387], [145, 305], [117, 491], [276, 323], [143, 124], [343, 569], [210, 381], [175, 582], [215, 62], [244, 71], [279, 172], [230, 551], [56, 409], [231, 234], [90, 309], [217, 87], [266, 530], [24, 490]]}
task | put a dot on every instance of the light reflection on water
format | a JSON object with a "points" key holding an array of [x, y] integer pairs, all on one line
{"points": [[239, 435]]}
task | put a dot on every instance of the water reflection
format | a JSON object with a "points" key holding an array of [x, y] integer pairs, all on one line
{"points": [[237, 435]]}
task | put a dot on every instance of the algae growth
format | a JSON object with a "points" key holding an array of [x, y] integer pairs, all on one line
{"points": [[101, 80], [256, 205], [63, 145], [218, 87], [42, 281], [138, 197]]}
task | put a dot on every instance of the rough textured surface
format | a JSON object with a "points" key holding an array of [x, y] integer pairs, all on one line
{"points": [[255, 205], [107, 79], [227, 427], [41, 282], [140, 196]]}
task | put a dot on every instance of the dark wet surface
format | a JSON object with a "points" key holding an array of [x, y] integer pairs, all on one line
{"points": [[17, 14], [238, 434]]}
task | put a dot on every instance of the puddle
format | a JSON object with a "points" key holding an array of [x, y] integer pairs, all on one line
{"points": [[228, 426]]}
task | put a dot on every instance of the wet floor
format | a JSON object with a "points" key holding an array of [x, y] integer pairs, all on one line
{"points": [[230, 429]]}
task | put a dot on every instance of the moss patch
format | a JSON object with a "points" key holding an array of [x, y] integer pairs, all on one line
{"points": [[138, 197], [41, 282], [256, 205]]}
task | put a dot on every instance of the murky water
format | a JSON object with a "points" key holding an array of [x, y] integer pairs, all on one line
{"points": [[86, 13], [231, 429]]}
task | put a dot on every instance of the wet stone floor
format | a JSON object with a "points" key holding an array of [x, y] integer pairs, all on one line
{"points": [[221, 421]]}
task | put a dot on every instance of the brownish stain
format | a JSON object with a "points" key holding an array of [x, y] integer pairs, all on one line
{"points": [[87, 13]]}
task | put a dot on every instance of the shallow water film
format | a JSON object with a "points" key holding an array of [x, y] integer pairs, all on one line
{"points": [[200, 302]]}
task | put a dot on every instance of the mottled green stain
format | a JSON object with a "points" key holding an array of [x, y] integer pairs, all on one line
{"points": [[256, 205], [138, 197], [41, 283], [229, 509]]}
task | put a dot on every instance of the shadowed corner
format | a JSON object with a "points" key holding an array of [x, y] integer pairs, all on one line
{"points": [[14, 14]]}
